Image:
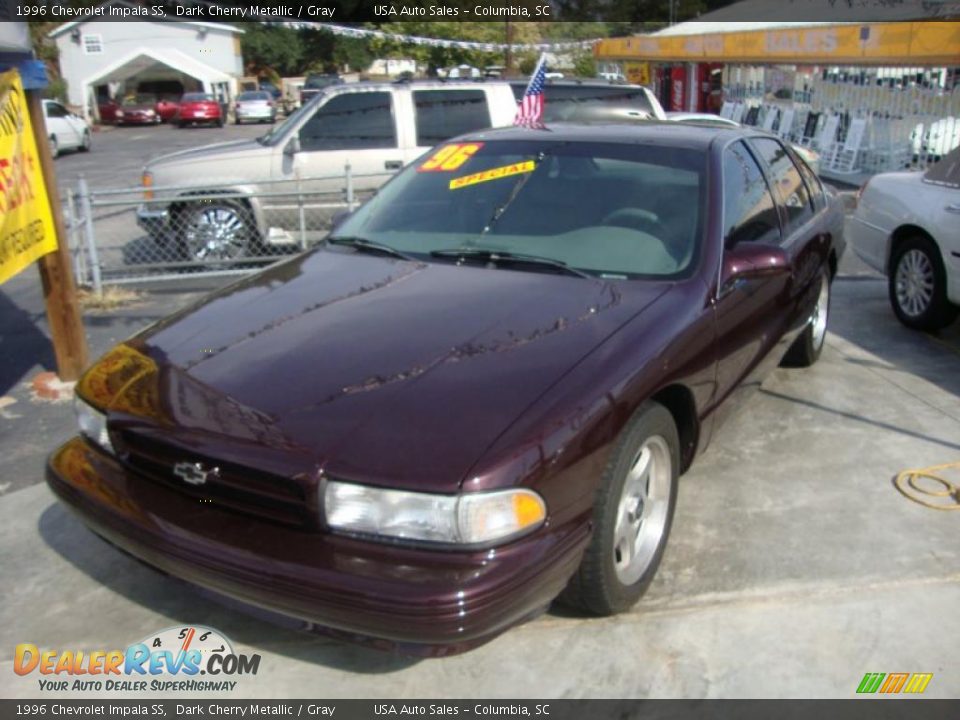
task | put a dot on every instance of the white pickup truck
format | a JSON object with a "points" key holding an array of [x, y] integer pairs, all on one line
{"points": [[376, 128]]}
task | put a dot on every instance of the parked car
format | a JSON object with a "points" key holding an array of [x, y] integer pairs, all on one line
{"points": [[317, 83], [65, 130], [257, 106], [167, 108], [200, 108], [376, 127], [810, 157], [594, 101], [907, 226], [268, 87], [478, 395], [137, 110]]}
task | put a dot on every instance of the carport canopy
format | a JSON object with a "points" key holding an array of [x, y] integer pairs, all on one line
{"points": [[140, 61]]}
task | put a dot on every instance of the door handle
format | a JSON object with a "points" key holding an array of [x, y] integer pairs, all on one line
{"points": [[393, 164], [954, 208]]}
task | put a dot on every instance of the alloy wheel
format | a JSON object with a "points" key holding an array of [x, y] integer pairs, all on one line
{"points": [[818, 323], [643, 510], [914, 283], [217, 232]]}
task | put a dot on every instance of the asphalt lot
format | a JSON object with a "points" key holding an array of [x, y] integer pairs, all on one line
{"points": [[793, 568]]}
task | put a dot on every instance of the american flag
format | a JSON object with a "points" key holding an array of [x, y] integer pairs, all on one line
{"points": [[530, 112]]}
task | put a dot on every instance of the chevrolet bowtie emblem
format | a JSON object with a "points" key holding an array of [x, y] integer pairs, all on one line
{"points": [[194, 473]]}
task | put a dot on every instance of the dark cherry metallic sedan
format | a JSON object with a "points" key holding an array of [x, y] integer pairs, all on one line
{"points": [[137, 110], [477, 396]]}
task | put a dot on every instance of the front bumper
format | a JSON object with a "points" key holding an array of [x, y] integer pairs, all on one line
{"points": [[422, 601], [156, 221]]}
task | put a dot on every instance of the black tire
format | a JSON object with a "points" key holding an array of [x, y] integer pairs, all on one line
{"points": [[181, 125], [917, 285], [808, 346], [220, 122], [238, 121], [54, 146], [217, 230], [87, 142], [606, 583]]}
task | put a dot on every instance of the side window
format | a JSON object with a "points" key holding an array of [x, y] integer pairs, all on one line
{"points": [[813, 185], [787, 179], [352, 121], [56, 110], [749, 213], [443, 114]]}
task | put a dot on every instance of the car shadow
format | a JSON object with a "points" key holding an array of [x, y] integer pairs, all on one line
{"points": [[860, 313], [188, 604], [23, 345]]}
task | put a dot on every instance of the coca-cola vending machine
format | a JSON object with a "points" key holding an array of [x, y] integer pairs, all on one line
{"points": [[678, 77]]}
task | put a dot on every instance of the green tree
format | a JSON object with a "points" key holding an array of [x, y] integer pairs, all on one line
{"points": [[270, 50]]}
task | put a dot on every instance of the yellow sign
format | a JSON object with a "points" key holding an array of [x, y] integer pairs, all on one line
{"points": [[26, 226], [637, 72], [493, 174]]}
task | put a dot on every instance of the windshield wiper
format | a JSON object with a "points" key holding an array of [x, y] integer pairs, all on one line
{"points": [[369, 246], [500, 256]]}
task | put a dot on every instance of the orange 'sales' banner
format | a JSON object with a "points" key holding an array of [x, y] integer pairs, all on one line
{"points": [[26, 226]]}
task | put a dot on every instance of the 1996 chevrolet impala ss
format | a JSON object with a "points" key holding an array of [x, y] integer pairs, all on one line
{"points": [[477, 396]]}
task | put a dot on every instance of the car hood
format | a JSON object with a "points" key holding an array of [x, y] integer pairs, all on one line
{"points": [[376, 370], [246, 150]]}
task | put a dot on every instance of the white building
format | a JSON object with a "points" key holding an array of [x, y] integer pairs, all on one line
{"points": [[99, 57]]}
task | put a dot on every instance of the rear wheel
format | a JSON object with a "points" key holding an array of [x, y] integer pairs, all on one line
{"points": [[632, 515], [217, 230], [806, 349], [918, 285]]}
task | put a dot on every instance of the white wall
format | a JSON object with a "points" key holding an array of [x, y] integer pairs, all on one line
{"points": [[218, 48]]}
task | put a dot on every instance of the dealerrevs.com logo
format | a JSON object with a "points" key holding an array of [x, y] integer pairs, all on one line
{"points": [[168, 661]]}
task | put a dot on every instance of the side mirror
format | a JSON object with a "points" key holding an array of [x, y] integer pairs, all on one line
{"points": [[750, 261], [292, 147]]}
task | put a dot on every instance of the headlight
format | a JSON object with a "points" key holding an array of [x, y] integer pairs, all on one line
{"points": [[119, 113], [93, 424], [150, 113], [476, 519]]}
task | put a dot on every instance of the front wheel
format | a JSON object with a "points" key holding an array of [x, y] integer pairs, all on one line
{"points": [[217, 230], [54, 146], [86, 142], [632, 515], [806, 349], [918, 285]]}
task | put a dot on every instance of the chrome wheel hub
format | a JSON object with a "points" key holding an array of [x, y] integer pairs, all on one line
{"points": [[217, 233], [913, 283], [642, 510]]}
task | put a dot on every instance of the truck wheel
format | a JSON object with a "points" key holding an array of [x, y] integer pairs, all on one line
{"points": [[217, 230]]}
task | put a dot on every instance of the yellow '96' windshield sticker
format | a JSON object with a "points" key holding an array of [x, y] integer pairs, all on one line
{"points": [[493, 174], [449, 157]]}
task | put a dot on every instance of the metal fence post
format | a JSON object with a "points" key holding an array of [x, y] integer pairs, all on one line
{"points": [[83, 193], [302, 214], [349, 179], [76, 248]]}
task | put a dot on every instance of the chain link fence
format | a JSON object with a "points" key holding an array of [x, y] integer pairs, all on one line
{"points": [[168, 233]]}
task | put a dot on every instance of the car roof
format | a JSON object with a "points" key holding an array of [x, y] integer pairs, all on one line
{"points": [[651, 131]]}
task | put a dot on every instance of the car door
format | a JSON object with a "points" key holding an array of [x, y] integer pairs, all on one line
{"points": [[751, 314], [806, 238], [359, 127], [59, 126]]}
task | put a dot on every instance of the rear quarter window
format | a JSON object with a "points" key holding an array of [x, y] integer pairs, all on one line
{"points": [[443, 114]]}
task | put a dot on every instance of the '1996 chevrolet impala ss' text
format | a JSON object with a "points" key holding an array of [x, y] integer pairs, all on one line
{"points": [[477, 396]]}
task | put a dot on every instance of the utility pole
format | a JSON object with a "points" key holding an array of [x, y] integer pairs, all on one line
{"points": [[56, 274]]}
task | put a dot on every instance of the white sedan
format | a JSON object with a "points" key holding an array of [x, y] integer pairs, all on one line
{"points": [[907, 226], [65, 130]]}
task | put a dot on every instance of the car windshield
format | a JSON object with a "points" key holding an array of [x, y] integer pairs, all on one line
{"points": [[252, 96], [609, 209], [197, 97], [320, 81], [132, 100]]}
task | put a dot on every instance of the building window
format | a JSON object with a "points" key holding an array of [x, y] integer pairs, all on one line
{"points": [[92, 44]]}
